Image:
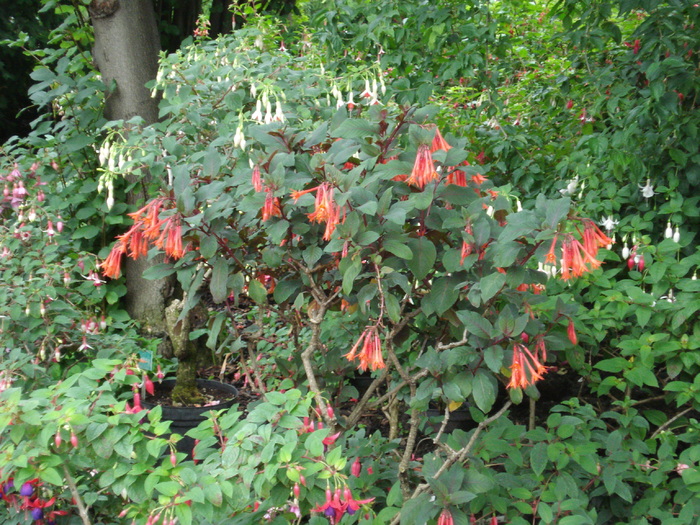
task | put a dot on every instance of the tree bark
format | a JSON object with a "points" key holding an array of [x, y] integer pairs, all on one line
{"points": [[126, 51]]}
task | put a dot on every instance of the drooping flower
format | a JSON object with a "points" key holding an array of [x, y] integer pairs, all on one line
{"points": [[356, 468], [439, 142], [170, 239], [256, 179], [423, 169], [609, 223], [457, 177], [371, 353], [526, 369], [445, 518], [648, 190], [593, 238], [575, 258], [352, 505], [111, 267], [551, 257], [271, 208], [571, 332]]}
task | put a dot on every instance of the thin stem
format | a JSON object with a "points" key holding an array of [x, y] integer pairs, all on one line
{"points": [[82, 509]]}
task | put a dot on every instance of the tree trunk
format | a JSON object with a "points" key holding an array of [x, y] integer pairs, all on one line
{"points": [[126, 52]]}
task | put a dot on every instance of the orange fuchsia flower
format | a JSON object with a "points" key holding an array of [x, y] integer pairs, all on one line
{"points": [[526, 368], [423, 169], [371, 353], [111, 267], [575, 258], [439, 142], [271, 207], [593, 237]]}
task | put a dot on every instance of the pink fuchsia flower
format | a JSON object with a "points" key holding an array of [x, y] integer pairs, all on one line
{"points": [[356, 468], [352, 505]]}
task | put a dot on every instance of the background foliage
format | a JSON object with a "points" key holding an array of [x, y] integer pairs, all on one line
{"points": [[571, 110]]}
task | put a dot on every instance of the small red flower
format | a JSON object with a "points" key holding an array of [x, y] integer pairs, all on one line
{"points": [[423, 169], [445, 518], [571, 332]]}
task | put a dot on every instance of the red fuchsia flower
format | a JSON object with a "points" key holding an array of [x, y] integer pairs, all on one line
{"points": [[371, 354], [594, 238], [457, 177], [551, 257], [256, 179], [170, 239], [478, 179], [111, 267], [526, 369], [439, 142], [271, 208], [423, 169], [329, 440], [445, 518], [575, 258], [467, 247], [571, 332], [352, 504], [356, 468], [330, 508]]}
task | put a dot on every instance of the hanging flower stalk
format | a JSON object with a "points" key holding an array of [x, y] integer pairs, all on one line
{"points": [[148, 228]]}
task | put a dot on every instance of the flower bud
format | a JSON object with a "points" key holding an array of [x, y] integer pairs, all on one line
{"points": [[173, 458], [356, 468], [668, 232], [74, 440], [296, 490], [57, 439], [571, 332]]}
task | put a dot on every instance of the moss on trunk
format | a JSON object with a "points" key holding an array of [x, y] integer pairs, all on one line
{"points": [[185, 391]]}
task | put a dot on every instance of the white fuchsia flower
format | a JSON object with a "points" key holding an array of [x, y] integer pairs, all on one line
{"points": [[648, 190]]}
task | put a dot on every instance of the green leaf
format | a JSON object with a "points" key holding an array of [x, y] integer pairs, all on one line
{"points": [[212, 163], [491, 285], [484, 390], [475, 323], [556, 210], [219, 277], [257, 291], [213, 493], [443, 294], [355, 129], [184, 514], [399, 249], [350, 273], [51, 475], [168, 488], [518, 225], [424, 255]]}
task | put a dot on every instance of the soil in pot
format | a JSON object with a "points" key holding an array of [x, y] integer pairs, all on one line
{"points": [[219, 396]]}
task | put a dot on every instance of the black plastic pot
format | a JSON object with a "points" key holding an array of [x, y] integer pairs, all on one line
{"points": [[186, 418], [459, 419]]}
